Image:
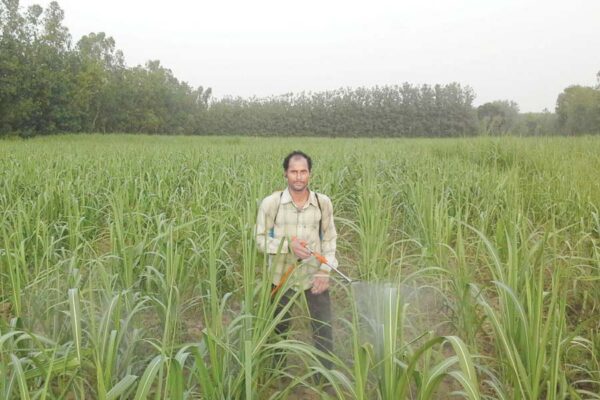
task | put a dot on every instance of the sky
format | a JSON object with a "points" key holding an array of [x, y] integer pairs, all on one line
{"points": [[526, 51]]}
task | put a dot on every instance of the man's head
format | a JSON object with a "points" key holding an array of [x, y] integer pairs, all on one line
{"points": [[296, 167]]}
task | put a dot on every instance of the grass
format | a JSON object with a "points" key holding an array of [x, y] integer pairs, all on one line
{"points": [[128, 269]]}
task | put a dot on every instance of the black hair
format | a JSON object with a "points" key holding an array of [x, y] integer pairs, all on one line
{"points": [[293, 154]]}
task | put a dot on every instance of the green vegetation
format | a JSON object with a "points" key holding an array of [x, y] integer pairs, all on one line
{"points": [[392, 111], [578, 110], [48, 85], [128, 268]]}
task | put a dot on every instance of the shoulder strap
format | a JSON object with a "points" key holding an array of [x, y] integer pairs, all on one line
{"points": [[320, 219], [278, 205], [272, 230]]}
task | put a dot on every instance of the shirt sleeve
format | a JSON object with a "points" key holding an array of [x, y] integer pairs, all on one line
{"points": [[328, 244], [265, 223]]}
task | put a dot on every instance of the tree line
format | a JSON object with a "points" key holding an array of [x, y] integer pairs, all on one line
{"points": [[393, 110], [49, 85]]}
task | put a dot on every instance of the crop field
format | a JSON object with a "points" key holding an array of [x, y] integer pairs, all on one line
{"points": [[129, 269]]}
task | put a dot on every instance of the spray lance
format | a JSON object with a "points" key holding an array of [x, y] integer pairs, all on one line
{"points": [[319, 257]]}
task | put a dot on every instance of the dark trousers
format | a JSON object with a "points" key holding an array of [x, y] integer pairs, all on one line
{"points": [[319, 307]]}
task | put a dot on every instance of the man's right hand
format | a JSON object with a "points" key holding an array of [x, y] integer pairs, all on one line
{"points": [[299, 249]]}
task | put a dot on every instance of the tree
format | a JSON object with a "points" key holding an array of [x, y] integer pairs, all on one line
{"points": [[100, 65], [14, 107], [52, 79], [498, 117], [578, 110]]}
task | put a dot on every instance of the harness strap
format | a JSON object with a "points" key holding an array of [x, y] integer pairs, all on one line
{"points": [[320, 219]]}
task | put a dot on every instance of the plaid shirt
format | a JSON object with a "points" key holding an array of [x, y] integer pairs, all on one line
{"points": [[279, 220]]}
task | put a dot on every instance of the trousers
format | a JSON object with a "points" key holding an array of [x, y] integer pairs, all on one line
{"points": [[319, 307]]}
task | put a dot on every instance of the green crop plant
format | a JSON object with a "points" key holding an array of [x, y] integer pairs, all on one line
{"points": [[128, 269]]}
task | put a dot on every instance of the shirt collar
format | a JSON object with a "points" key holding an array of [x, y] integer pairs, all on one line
{"points": [[286, 197]]}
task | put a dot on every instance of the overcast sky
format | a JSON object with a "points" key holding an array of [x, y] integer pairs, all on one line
{"points": [[522, 50]]}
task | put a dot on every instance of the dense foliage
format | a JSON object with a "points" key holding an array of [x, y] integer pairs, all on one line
{"points": [[578, 110], [48, 85], [406, 110]]}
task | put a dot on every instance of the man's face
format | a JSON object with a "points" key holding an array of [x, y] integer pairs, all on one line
{"points": [[297, 174]]}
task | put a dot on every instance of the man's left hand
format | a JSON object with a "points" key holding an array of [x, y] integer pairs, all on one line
{"points": [[320, 282]]}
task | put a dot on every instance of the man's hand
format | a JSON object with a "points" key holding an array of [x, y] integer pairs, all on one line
{"points": [[320, 282], [299, 249]]}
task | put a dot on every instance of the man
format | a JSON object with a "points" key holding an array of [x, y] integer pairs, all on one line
{"points": [[289, 223]]}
